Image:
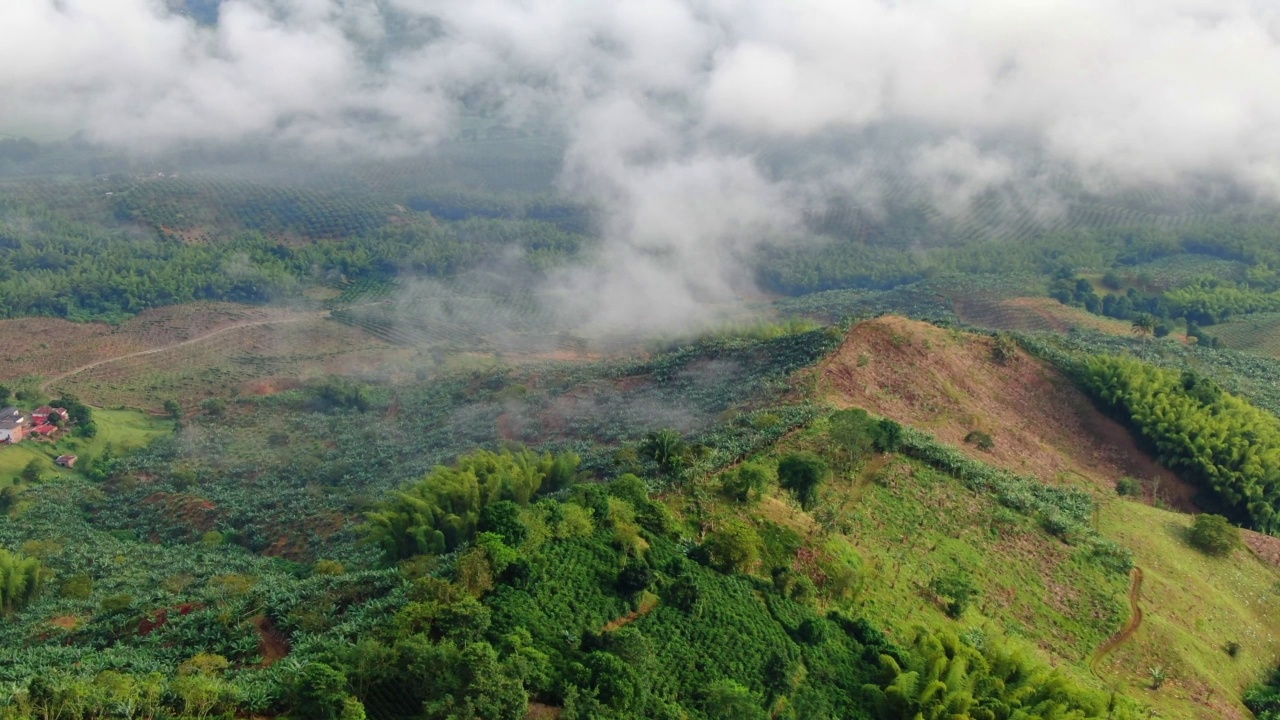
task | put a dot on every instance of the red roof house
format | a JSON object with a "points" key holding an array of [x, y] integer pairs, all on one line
{"points": [[42, 414]]}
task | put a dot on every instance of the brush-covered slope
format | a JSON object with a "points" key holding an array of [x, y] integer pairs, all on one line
{"points": [[908, 522]]}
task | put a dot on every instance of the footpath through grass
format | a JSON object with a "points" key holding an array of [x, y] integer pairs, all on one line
{"points": [[1194, 607]]}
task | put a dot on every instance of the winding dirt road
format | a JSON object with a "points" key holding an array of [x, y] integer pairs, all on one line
{"points": [[1131, 627], [190, 341]]}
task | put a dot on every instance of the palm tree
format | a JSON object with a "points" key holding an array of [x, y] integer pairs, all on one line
{"points": [[1144, 324]]}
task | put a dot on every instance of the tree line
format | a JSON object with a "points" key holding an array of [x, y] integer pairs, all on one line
{"points": [[1229, 447]]}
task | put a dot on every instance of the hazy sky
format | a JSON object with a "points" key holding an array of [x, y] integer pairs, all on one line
{"points": [[666, 103]]}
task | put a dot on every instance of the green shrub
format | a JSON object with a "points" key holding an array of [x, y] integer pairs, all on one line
{"points": [[956, 589], [802, 474], [745, 483], [1263, 699], [1005, 349], [1129, 487], [1158, 676], [76, 587], [980, 440], [1109, 555], [116, 603], [734, 547], [1214, 535]]}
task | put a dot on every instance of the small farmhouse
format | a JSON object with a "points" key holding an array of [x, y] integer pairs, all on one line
{"points": [[14, 425], [66, 461], [48, 415]]}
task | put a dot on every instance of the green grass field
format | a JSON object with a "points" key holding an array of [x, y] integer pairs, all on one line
{"points": [[1193, 606], [118, 430]]}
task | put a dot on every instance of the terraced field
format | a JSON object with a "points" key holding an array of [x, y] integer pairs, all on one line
{"points": [[1026, 314], [1257, 333]]}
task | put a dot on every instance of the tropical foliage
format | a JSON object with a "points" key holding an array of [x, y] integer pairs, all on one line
{"points": [[946, 678], [1229, 446], [444, 509], [19, 580]]}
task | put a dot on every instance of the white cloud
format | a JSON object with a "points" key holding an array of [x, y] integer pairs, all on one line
{"points": [[669, 104]]}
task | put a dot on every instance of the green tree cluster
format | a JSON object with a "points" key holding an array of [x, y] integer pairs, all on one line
{"points": [[1229, 446], [803, 473], [945, 678], [856, 433], [19, 580], [443, 510]]}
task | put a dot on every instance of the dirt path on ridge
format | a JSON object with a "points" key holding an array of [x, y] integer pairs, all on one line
{"points": [[1131, 627], [190, 341]]}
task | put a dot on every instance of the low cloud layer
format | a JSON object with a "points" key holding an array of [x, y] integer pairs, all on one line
{"points": [[669, 106]]}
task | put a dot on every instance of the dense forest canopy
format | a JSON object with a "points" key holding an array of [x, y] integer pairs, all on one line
{"points": [[1231, 447]]}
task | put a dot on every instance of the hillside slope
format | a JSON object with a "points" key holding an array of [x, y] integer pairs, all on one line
{"points": [[947, 383]]}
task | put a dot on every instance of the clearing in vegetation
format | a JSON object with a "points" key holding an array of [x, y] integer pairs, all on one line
{"points": [[119, 432], [949, 383], [186, 353]]}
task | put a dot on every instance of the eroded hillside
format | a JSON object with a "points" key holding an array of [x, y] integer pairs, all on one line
{"points": [[949, 383]]}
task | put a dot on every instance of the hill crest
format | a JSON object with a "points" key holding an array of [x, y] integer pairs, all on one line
{"points": [[948, 382]]}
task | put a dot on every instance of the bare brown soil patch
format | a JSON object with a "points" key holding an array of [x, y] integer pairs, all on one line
{"points": [[947, 383], [191, 511], [271, 386], [538, 711], [66, 622], [272, 644], [647, 605], [1264, 546]]}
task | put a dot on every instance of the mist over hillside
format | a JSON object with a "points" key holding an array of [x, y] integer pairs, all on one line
{"points": [[702, 131], [613, 359]]}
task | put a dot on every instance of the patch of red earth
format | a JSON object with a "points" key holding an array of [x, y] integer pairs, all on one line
{"points": [[648, 605], [510, 426], [159, 618], [628, 384], [270, 386], [948, 384], [272, 644], [66, 622], [289, 548]]}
